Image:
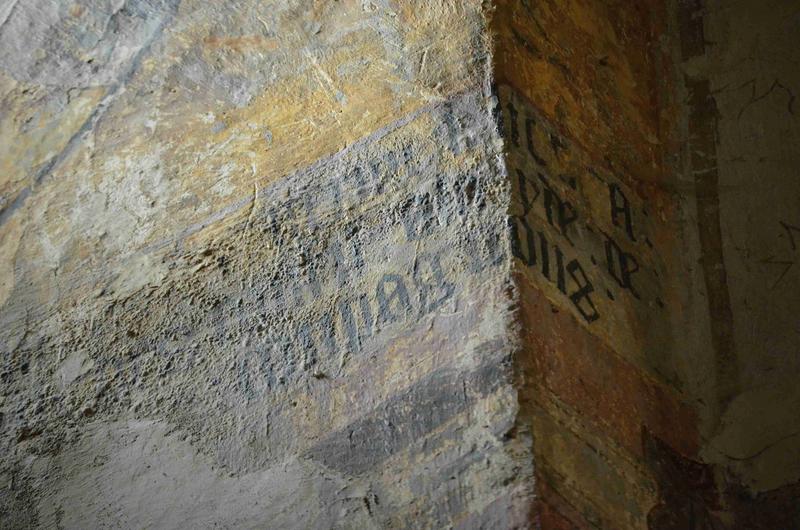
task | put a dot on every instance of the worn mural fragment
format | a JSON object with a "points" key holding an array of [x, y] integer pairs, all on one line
{"points": [[255, 268]]}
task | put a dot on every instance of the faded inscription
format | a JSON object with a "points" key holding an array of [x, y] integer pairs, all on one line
{"points": [[365, 266], [575, 227]]}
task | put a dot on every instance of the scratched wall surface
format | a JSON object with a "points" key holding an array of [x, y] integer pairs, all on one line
{"points": [[741, 81], [254, 268]]}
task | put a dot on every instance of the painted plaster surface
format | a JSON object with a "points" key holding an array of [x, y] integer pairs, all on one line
{"points": [[750, 81], [361, 264], [254, 268], [650, 148]]}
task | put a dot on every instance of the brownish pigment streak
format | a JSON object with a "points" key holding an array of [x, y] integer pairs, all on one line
{"points": [[690, 23], [554, 512], [690, 499], [687, 493], [703, 137]]}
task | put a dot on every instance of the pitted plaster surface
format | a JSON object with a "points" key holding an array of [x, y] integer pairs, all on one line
{"points": [[255, 268]]}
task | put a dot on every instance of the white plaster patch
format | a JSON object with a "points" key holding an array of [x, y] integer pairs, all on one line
{"points": [[144, 474], [143, 271], [72, 368]]}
